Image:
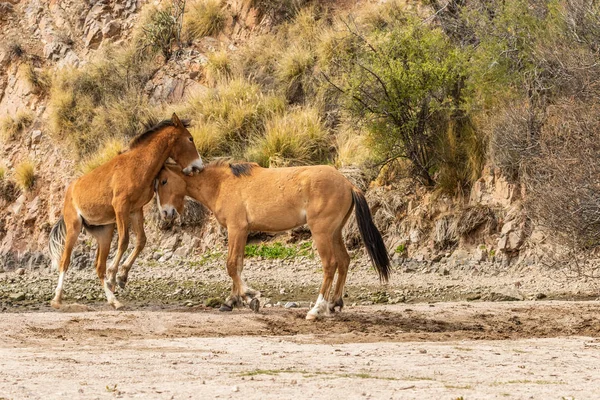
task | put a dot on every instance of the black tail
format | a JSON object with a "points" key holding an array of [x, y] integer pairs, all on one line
{"points": [[370, 235], [56, 242]]}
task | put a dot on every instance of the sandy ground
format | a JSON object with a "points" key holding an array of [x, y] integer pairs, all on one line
{"points": [[539, 350]]}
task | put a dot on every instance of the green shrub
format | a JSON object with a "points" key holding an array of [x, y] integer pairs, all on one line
{"points": [[204, 18], [25, 174], [160, 29]]}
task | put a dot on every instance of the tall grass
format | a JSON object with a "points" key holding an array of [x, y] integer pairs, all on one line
{"points": [[102, 100], [295, 138], [39, 80]]}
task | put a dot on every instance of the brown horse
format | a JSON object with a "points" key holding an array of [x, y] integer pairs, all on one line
{"points": [[245, 197], [114, 194]]}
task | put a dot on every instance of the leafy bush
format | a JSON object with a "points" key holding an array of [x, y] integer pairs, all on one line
{"points": [[161, 28], [25, 174]]}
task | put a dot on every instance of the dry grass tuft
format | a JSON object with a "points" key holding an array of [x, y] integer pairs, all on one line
{"points": [[106, 152], [204, 18], [11, 126], [39, 80], [473, 217], [25, 174], [218, 66]]}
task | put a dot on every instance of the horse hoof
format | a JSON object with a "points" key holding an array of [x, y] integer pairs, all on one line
{"points": [[55, 304], [122, 282], [255, 305], [225, 307], [117, 305], [311, 317]]}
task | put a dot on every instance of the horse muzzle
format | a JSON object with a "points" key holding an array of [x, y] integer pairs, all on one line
{"points": [[195, 166], [168, 213]]}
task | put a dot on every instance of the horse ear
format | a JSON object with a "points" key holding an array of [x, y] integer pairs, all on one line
{"points": [[176, 122]]}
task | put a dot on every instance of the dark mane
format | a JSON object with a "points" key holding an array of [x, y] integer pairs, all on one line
{"points": [[238, 169], [151, 129]]}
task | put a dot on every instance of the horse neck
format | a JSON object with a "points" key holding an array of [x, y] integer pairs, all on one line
{"points": [[154, 153], [206, 185]]}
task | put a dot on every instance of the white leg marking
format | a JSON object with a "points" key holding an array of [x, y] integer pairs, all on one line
{"points": [[110, 296], [320, 308], [59, 287]]}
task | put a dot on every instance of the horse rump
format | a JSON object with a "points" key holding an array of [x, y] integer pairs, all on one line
{"points": [[370, 235]]}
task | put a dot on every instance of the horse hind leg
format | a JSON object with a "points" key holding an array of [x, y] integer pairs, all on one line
{"points": [[72, 228], [103, 235], [325, 247], [343, 264]]}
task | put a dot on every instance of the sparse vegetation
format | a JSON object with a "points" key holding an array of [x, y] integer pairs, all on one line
{"points": [[25, 174], [15, 50], [101, 101], [277, 250], [2, 172]]}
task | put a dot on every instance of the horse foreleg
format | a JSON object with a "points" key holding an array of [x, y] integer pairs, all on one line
{"points": [[122, 216], [325, 247], [235, 259], [137, 224], [73, 227]]}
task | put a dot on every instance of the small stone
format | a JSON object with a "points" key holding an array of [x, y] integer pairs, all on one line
{"points": [[36, 136], [235, 389], [20, 271], [17, 296], [540, 296], [291, 304], [423, 351]]}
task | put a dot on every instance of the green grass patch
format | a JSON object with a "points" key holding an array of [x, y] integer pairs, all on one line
{"points": [[278, 250]]}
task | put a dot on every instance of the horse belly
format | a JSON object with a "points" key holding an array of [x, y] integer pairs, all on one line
{"points": [[276, 219]]}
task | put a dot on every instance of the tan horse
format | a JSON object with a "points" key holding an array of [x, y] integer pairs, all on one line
{"points": [[114, 194], [245, 197]]}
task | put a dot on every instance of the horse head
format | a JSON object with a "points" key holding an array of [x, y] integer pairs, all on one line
{"points": [[184, 150], [170, 188]]}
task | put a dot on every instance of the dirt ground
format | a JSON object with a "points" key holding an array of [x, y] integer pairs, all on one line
{"points": [[520, 350]]}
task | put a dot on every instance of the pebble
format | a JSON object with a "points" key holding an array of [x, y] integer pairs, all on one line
{"points": [[20, 271], [291, 304], [17, 296]]}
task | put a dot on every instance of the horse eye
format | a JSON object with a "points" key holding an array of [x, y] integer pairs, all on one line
{"points": [[164, 182], [191, 139]]}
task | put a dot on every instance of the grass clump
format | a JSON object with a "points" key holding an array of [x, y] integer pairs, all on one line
{"points": [[295, 138], [204, 18], [107, 151], [218, 66], [15, 50], [39, 80], [25, 174], [10, 126], [2, 172]]}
